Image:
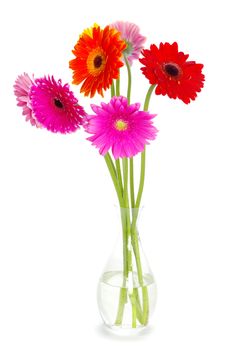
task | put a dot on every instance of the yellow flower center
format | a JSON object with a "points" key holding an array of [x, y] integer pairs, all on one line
{"points": [[96, 61], [120, 125]]}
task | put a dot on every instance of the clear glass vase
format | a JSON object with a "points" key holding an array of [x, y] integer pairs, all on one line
{"points": [[127, 289]]}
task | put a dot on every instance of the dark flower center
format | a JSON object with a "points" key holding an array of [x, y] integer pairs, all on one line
{"points": [[97, 61], [58, 103], [172, 69]]}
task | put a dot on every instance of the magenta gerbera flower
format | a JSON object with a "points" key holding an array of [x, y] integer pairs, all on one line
{"points": [[22, 88], [55, 105], [121, 127], [131, 35]]}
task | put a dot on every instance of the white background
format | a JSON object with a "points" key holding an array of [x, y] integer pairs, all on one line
{"points": [[55, 193]]}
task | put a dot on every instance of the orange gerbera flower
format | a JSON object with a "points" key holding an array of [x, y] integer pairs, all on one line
{"points": [[98, 59]]}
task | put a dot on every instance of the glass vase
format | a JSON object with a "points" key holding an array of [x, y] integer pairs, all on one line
{"points": [[127, 289]]}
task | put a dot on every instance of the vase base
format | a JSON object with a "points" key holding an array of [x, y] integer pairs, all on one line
{"points": [[126, 331], [124, 305]]}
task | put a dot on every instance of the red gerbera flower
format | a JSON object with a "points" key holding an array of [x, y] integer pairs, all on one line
{"points": [[173, 74], [98, 59]]}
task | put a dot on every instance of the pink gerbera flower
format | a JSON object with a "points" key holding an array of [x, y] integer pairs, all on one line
{"points": [[55, 106], [134, 40], [22, 88], [121, 127]]}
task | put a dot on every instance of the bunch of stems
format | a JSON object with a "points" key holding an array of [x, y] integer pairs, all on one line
{"points": [[122, 174]]}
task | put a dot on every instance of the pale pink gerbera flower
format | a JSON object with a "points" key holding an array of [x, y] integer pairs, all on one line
{"points": [[55, 105], [121, 127], [134, 40], [22, 88]]}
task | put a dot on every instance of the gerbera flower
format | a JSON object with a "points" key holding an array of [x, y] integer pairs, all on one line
{"points": [[131, 35], [173, 74], [98, 59], [22, 89], [55, 106], [121, 127]]}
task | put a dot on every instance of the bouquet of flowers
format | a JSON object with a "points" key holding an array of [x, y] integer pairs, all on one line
{"points": [[119, 129]]}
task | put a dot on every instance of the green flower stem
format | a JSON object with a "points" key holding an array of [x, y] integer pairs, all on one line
{"points": [[142, 169], [128, 225], [125, 181], [140, 191], [131, 159], [132, 191], [121, 306], [113, 174], [129, 79], [118, 86], [123, 201], [134, 234], [145, 305], [124, 217], [138, 306], [133, 304], [126, 206], [123, 291], [112, 89], [127, 257], [126, 254], [145, 310], [125, 244], [134, 297], [125, 220], [148, 97], [119, 174]]}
